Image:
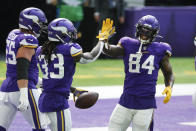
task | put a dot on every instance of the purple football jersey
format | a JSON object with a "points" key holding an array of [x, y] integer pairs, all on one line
{"points": [[141, 72], [14, 41], [57, 77]]}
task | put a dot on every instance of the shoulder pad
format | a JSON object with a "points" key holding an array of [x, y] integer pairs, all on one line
{"points": [[75, 49], [167, 48], [28, 40], [127, 41]]}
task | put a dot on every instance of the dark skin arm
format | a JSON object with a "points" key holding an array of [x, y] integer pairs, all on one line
{"points": [[166, 69], [113, 50]]}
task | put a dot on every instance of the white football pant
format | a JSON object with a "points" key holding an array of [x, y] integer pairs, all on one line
{"points": [[60, 121], [9, 102], [194, 99], [122, 117]]}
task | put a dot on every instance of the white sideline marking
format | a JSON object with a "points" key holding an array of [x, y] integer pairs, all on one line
{"points": [[106, 92], [188, 123], [91, 129], [94, 129]]}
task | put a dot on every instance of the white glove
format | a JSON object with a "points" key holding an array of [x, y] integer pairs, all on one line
{"points": [[23, 100]]}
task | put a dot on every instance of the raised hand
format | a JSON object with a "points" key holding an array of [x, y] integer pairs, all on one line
{"points": [[107, 30]]}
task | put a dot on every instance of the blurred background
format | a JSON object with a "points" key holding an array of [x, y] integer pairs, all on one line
{"points": [[177, 20]]}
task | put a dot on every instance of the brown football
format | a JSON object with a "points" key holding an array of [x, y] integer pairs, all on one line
{"points": [[86, 100]]}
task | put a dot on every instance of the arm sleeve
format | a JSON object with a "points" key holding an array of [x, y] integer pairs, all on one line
{"points": [[86, 61]]}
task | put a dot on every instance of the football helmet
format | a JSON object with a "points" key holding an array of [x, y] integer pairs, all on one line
{"points": [[147, 27], [61, 29], [33, 19]]}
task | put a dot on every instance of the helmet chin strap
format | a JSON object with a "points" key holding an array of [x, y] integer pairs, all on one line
{"points": [[140, 49], [143, 42]]}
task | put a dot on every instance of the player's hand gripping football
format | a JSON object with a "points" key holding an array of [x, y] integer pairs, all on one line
{"points": [[107, 30], [167, 91], [85, 99], [77, 92], [23, 100]]}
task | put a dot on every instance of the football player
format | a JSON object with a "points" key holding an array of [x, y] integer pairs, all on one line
{"points": [[195, 51], [57, 59], [18, 91], [194, 94], [143, 57]]}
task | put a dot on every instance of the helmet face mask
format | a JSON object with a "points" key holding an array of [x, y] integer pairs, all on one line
{"points": [[32, 19], [147, 29]]}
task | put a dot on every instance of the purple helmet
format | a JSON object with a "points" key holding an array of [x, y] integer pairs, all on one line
{"points": [[149, 27], [61, 29], [32, 19]]}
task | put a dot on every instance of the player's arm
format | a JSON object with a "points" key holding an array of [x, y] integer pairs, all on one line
{"points": [[76, 92], [113, 50], [195, 45], [107, 31], [168, 77], [89, 57], [195, 51], [23, 58]]}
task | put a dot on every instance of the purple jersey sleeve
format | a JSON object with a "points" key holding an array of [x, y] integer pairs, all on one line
{"points": [[124, 41], [167, 48], [27, 40], [38, 51], [75, 49]]}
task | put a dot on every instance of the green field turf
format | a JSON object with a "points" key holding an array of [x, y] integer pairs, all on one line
{"points": [[110, 72]]}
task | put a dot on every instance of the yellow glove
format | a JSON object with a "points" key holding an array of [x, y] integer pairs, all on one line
{"points": [[168, 92], [107, 25], [107, 30]]}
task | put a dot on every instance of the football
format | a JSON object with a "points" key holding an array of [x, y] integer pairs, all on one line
{"points": [[86, 100]]}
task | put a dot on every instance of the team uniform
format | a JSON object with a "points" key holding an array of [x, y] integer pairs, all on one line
{"points": [[137, 101], [9, 91], [57, 80], [195, 51], [194, 94]]}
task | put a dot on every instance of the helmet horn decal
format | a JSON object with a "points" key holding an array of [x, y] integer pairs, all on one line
{"points": [[32, 17], [62, 29]]}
